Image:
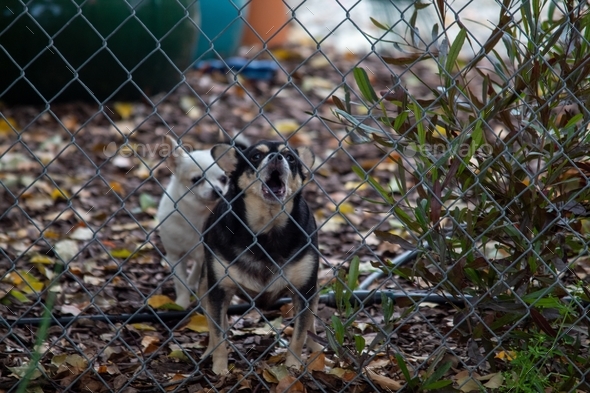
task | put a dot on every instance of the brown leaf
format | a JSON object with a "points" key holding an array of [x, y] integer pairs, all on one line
{"points": [[384, 382], [405, 60], [290, 385], [316, 362], [391, 238], [542, 323]]}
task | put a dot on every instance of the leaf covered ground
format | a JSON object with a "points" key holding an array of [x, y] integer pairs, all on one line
{"points": [[66, 192]]}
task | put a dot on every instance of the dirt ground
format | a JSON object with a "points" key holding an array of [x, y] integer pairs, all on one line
{"points": [[65, 192]]}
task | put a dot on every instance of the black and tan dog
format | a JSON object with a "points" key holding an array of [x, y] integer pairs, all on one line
{"points": [[261, 243]]}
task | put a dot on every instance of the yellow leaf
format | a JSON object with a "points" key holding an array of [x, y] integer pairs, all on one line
{"points": [[286, 126], [143, 327], [58, 193], [268, 377], [346, 208], [42, 259], [352, 185], [77, 361], [13, 278], [29, 283], [124, 109], [18, 295], [121, 253], [58, 360], [441, 131], [49, 234], [7, 126], [21, 371], [495, 382], [506, 355], [279, 372], [286, 54], [163, 302], [178, 354], [198, 323]]}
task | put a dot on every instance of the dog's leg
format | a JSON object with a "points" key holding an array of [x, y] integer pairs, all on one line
{"points": [[303, 323], [217, 303], [194, 277], [311, 344], [177, 264]]}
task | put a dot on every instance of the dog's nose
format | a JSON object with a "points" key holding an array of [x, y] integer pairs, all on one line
{"points": [[274, 156]]}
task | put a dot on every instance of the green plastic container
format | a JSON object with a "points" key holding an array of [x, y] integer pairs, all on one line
{"points": [[117, 51], [223, 27]]}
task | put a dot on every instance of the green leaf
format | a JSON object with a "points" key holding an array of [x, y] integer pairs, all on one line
{"points": [[353, 273], [402, 365], [359, 124], [147, 201], [421, 6], [438, 384], [378, 24], [359, 343], [18, 295], [374, 183], [332, 342], [338, 330], [433, 380], [362, 80], [455, 50]]}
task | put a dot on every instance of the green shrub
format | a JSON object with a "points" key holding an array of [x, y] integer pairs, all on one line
{"points": [[501, 216]]}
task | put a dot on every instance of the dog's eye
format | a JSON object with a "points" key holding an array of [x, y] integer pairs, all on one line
{"points": [[196, 179], [290, 158], [223, 179], [256, 157]]}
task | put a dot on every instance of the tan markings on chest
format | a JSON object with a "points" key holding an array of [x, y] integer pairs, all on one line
{"points": [[295, 273]]}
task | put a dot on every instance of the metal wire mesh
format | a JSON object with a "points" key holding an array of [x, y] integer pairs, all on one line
{"points": [[80, 258]]}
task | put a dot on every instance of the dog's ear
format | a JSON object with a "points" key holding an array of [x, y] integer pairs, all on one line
{"points": [[225, 157], [173, 150], [307, 159]]}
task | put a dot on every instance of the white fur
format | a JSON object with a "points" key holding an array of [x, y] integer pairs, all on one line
{"points": [[182, 213]]}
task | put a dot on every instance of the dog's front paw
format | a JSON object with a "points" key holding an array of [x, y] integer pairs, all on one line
{"points": [[292, 361], [220, 368], [314, 346], [183, 301]]}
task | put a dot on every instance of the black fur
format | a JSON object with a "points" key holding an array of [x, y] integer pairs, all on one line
{"points": [[260, 258]]}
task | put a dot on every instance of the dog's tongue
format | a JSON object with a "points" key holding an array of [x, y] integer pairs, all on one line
{"points": [[275, 184]]}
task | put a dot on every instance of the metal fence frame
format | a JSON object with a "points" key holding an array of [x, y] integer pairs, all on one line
{"points": [[10, 322]]}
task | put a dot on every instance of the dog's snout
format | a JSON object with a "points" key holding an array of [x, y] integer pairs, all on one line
{"points": [[274, 157]]}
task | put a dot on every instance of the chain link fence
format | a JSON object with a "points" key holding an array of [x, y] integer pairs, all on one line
{"points": [[450, 190]]}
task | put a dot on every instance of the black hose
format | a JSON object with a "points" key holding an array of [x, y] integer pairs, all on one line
{"points": [[397, 262], [365, 297]]}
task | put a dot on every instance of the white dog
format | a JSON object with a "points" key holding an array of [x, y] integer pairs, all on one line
{"points": [[196, 185]]}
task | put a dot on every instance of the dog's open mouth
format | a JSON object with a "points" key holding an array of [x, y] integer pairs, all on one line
{"points": [[274, 187]]}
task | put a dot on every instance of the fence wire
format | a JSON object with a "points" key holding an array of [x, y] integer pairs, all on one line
{"points": [[452, 219]]}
